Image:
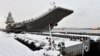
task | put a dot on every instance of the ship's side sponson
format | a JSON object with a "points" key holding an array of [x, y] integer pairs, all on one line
{"points": [[42, 23]]}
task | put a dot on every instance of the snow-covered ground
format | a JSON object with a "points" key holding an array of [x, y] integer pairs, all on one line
{"points": [[10, 47]]}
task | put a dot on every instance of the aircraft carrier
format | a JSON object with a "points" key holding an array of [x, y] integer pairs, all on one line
{"points": [[40, 24]]}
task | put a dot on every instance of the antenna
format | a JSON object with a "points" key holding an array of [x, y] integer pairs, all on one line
{"points": [[53, 4]]}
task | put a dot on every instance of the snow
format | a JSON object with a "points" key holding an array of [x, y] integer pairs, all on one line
{"points": [[52, 53], [11, 47], [42, 39], [46, 53], [71, 43], [95, 38]]}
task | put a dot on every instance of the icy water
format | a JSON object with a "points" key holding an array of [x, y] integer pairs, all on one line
{"points": [[88, 31]]}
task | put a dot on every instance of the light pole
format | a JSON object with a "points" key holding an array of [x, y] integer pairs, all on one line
{"points": [[50, 36]]}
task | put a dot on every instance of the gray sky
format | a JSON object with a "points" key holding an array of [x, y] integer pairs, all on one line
{"points": [[86, 12]]}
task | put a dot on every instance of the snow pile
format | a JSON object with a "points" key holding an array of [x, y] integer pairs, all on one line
{"points": [[11, 47], [44, 52], [95, 38], [37, 39], [52, 53]]}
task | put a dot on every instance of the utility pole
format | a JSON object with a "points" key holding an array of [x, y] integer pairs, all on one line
{"points": [[51, 44]]}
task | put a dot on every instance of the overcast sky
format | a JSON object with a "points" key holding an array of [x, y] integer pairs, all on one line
{"points": [[86, 12]]}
